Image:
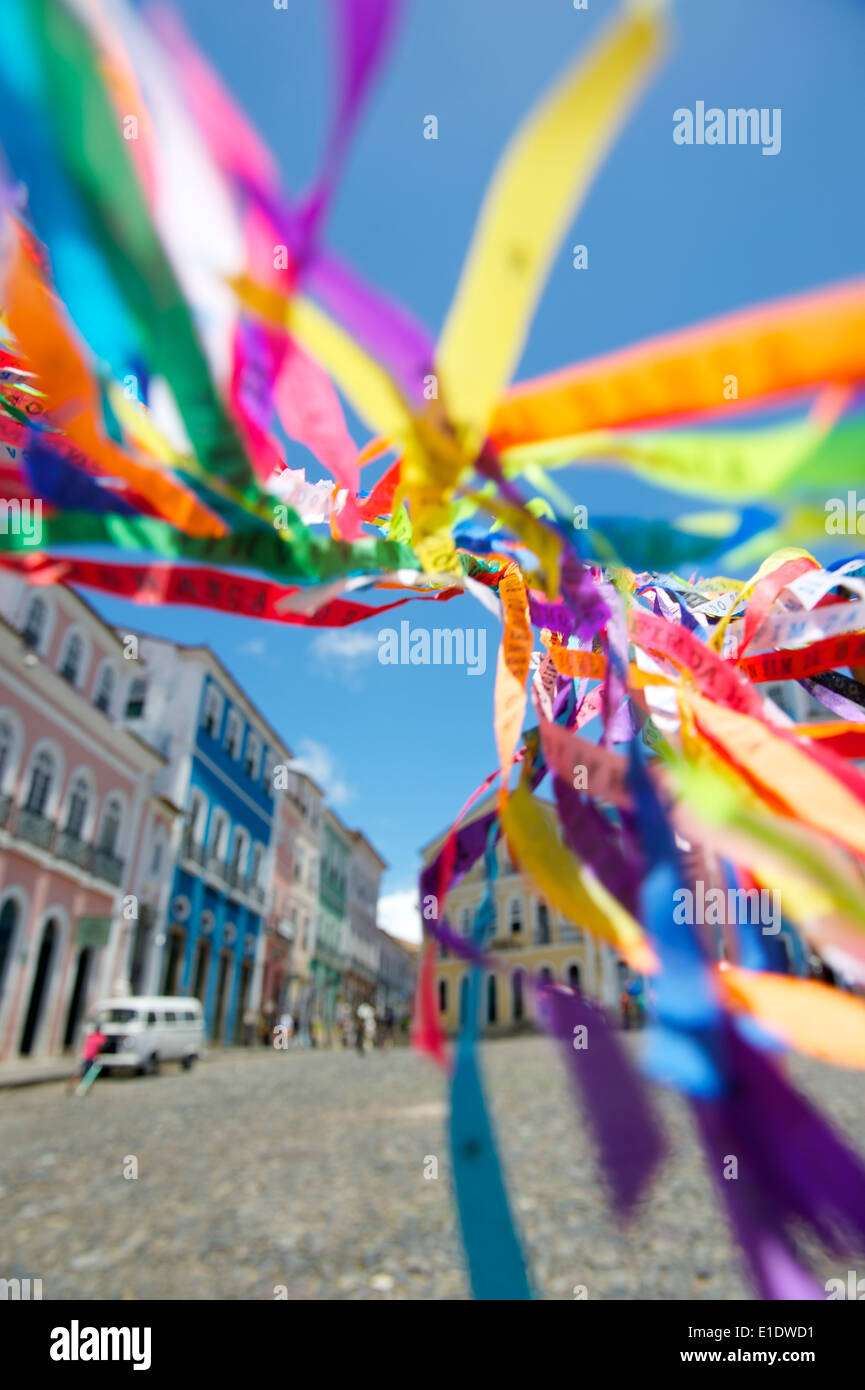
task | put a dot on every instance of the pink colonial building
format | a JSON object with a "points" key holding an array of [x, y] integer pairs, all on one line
{"points": [[86, 846]]}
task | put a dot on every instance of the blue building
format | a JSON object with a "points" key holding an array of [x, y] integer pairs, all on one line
{"points": [[221, 755]]}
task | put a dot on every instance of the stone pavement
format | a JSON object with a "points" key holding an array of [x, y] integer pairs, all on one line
{"points": [[306, 1170]]}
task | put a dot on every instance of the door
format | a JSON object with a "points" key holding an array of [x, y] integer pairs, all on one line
{"points": [[173, 957], [243, 992], [76, 1003], [202, 969], [37, 991], [219, 1002]]}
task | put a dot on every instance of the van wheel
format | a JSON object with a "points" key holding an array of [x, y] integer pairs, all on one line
{"points": [[151, 1066], [188, 1062]]}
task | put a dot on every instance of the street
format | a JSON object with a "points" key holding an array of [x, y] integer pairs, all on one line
{"points": [[263, 1169]]}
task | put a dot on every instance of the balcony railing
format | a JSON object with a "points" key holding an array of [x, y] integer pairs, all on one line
{"points": [[38, 830], [107, 866], [192, 850], [75, 851]]}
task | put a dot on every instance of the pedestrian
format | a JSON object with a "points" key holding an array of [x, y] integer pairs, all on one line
{"points": [[93, 1043]]}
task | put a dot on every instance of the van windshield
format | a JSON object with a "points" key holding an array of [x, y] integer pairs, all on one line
{"points": [[120, 1016]]}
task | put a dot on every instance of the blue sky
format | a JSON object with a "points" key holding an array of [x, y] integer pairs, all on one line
{"points": [[675, 234]]}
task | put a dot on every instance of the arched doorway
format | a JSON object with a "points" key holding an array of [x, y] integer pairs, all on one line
{"points": [[173, 957], [492, 999], [517, 996], [8, 923], [37, 991], [574, 977], [464, 999], [218, 1016], [79, 993], [242, 997]]}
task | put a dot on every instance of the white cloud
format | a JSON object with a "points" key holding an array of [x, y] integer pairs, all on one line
{"points": [[345, 644], [398, 914], [254, 647], [318, 763]]}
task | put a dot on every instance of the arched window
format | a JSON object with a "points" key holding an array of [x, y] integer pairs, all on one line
{"points": [[252, 757], [239, 850], [137, 697], [443, 996], [516, 916], [218, 835], [212, 712], [105, 686], [8, 923], [255, 870], [42, 776], [7, 750], [111, 821], [73, 659], [574, 976], [545, 975], [543, 929], [79, 803], [233, 734], [492, 999], [35, 622]]}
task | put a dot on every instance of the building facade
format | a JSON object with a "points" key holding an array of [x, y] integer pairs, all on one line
{"points": [[83, 829], [304, 801], [361, 946], [220, 756], [538, 941], [328, 962]]}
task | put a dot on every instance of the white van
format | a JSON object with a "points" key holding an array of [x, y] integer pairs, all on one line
{"points": [[143, 1030]]}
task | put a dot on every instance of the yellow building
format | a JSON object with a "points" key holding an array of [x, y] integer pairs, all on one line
{"points": [[533, 936]]}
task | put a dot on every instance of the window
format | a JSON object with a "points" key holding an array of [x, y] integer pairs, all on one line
{"points": [[170, 1017], [156, 857], [543, 935], [120, 1016], [197, 817], [517, 995], [41, 778], [79, 801], [516, 916], [252, 760], [218, 834], [7, 746], [574, 976], [105, 689], [34, 624], [73, 659], [239, 849], [111, 822], [255, 872], [212, 711], [443, 996], [151, 1018], [137, 697], [492, 999], [233, 734]]}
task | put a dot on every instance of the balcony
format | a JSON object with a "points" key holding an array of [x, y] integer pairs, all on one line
{"points": [[107, 866], [568, 933], [73, 850], [36, 829]]}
